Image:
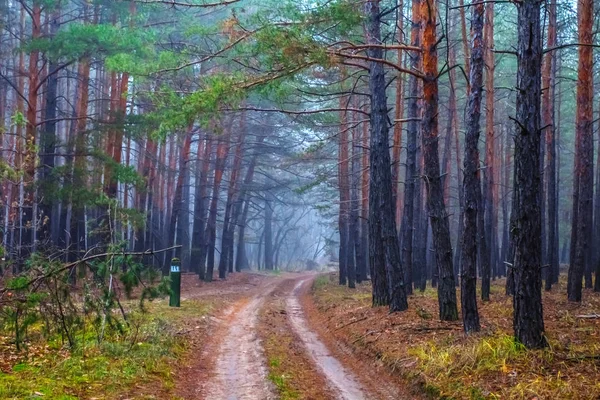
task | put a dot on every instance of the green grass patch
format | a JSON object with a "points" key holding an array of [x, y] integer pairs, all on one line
{"points": [[321, 281], [280, 380], [143, 353]]}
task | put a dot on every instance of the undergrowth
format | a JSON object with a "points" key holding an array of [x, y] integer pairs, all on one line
{"points": [[443, 363], [142, 352]]}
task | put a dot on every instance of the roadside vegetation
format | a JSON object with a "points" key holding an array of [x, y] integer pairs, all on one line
{"points": [[136, 357], [440, 359]]}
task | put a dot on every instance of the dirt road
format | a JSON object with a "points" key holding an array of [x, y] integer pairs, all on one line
{"points": [[233, 365], [342, 381]]}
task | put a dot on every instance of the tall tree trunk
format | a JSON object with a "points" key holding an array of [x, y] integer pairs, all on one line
{"points": [[548, 121], [487, 206], [198, 244], [584, 153], [232, 194], [29, 162], [211, 226], [48, 144], [461, 221], [357, 249], [364, 268], [527, 301], [465, 39], [505, 154], [558, 164], [241, 259], [75, 228], [420, 223], [268, 231], [409, 222], [435, 196], [398, 114], [346, 259], [471, 180], [241, 208], [384, 251], [178, 201]]}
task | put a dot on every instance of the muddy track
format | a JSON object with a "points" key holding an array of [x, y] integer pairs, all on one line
{"points": [[232, 364], [350, 376], [239, 370], [340, 379]]}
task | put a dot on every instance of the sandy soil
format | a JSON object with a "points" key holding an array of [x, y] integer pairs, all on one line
{"points": [[240, 371], [342, 380], [229, 363]]}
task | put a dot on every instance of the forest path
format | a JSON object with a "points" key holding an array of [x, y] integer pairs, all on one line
{"points": [[239, 371], [350, 375], [232, 363], [341, 380]]}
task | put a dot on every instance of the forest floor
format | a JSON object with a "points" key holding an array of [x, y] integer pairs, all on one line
{"points": [[143, 362], [302, 336], [437, 359], [250, 337]]}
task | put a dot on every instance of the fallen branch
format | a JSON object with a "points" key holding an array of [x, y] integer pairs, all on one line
{"points": [[364, 336], [439, 328], [585, 357], [589, 316], [350, 323]]}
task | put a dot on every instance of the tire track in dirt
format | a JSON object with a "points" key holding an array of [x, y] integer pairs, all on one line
{"points": [[340, 379], [239, 370]]}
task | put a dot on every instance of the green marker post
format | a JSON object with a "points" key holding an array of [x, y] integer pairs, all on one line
{"points": [[175, 275]]}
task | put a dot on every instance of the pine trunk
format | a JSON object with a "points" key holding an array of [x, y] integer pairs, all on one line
{"points": [[211, 226], [409, 222], [584, 155], [471, 179], [178, 201], [198, 244], [548, 86], [435, 196], [384, 252], [527, 301]]}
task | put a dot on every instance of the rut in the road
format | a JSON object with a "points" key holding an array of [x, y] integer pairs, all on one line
{"points": [[341, 380], [240, 369]]}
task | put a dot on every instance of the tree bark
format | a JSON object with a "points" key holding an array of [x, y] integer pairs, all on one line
{"points": [[471, 180], [28, 224], [398, 114], [346, 259], [364, 268], [232, 194], [268, 231], [548, 86], [241, 209], [198, 246], [408, 218], [355, 206], [527, 301], [487, 205], [178, 201], [211, 226], [48, 141], [384, 252], [435, 196], [584, 154]]}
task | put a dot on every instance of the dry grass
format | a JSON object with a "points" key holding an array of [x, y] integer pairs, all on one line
{"points": [[445, 363]]}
